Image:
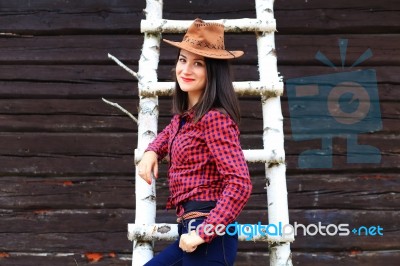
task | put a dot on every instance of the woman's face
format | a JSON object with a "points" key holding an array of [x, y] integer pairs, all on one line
{"points": [[191, 74]]}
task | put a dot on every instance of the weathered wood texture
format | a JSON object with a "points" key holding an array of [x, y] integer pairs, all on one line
{"points": [[66, 158]]}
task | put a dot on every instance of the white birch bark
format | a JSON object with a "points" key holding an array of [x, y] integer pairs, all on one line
{"points": [[169, 232], [265, 24], [147, 130], [270, 156], [273, 138], [249, 88]]}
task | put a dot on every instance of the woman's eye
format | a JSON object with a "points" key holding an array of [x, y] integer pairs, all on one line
{"points": [[182, 60], [198, 64]]}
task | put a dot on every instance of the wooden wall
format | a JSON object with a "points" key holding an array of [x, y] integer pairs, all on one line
{"points": [[66, 158]]}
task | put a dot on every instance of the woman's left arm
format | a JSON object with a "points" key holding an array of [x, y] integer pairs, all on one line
{"points": [[222, 138]]}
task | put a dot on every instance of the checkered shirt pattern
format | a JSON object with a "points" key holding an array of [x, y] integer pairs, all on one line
{"points": [[206, 164]]}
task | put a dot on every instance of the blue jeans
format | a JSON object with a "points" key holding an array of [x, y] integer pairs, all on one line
{"points": [[220, 251]]}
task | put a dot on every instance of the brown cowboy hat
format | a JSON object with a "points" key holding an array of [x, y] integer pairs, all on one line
{"points": [[206, 39]]}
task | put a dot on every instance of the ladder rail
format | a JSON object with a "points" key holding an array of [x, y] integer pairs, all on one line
{"points": [[145, 195], [273, 137]]}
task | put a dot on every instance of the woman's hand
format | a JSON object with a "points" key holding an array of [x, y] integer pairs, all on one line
{"points": [[190, 241], [148, 166]]}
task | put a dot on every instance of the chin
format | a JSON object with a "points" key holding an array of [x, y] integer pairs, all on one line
{"points": [[185, 89]]}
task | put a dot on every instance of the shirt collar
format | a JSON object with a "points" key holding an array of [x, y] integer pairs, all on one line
{"points": [[188, 115]]}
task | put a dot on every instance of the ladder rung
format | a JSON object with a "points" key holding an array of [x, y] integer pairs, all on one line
{"points": [[169, 232], [264, 156], [251, 156], [249, 88], [231, 25]]}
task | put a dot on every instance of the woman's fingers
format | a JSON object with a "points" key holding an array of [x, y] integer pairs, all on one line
{"points": [[148, 178], [185, 243], [155, 170], [148, 166]]}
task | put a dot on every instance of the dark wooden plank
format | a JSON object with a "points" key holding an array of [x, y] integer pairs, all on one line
{"points": [[72, 107], [189, 7], [88, 81], [113, 143], [98, 241], [91, 74], [51, 165], [301, 49], [351, 258], [59, 193], [68, 90], [326, 191], [93, 49], [333, 191], [66, 7], [67, 259], [70, 165], [119, 18], [106, 17], [61, 17], [105, 230], [355, 18], [291, 49], [330, 21], [65, 123], [41, 144], [339, 4], [26, 144], [250, 107], [44, 221], [41, 148], [96, 107], [83, 123], [119, 123], [71, 49], [383, 74], [70, 74], [117, 89]]}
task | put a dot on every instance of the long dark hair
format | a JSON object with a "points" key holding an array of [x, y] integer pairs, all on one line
{"points": [[218, 94]]}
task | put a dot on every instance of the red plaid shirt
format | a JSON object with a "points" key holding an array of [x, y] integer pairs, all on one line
{"points": [[206, 164]]}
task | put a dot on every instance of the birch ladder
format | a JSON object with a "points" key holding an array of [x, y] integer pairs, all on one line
{"points": [[269, 87]]}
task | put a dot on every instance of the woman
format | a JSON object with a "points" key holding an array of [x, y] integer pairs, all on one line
{"points": [[208, 176]]}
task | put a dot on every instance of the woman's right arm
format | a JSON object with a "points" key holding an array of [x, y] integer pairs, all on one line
{"points": [[156, 151]]}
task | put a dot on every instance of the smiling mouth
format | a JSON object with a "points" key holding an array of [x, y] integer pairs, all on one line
{"points": [[186, 79]]}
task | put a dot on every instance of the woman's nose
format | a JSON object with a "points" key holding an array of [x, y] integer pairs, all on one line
{"points": [[187, 69]]}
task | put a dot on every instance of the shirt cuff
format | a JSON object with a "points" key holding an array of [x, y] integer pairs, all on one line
{"points": [[208, 231], [154, 150]]}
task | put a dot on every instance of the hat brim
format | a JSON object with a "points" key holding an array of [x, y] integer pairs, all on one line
{"points": [[206, 52]]}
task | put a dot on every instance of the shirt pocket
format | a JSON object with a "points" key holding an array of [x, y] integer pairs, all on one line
{"points": [[189, 150]]}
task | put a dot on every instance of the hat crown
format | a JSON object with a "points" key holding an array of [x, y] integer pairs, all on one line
{"points": [[206, 39], [205, 35]]}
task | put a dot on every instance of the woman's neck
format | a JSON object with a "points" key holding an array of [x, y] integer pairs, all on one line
{"points": [[193, 99]]}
